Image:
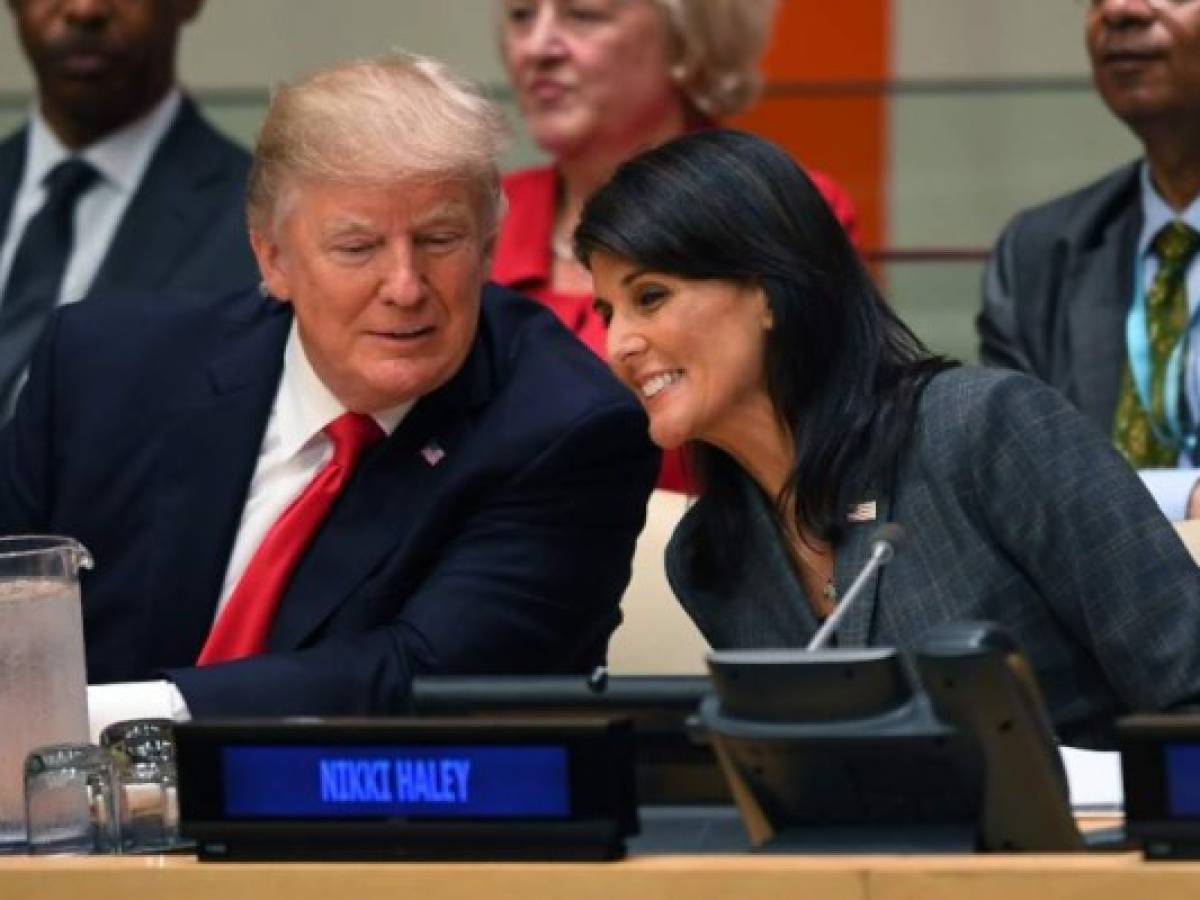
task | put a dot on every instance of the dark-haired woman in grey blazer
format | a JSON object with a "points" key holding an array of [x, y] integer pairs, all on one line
{"points": [[746, 323]]}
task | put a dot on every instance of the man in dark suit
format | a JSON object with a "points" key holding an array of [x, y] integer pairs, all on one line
{"points": [[297, 502], [1095, 292], [116, 181]]}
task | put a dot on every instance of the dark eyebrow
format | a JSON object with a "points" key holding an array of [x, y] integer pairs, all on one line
{"points": [[636, 273]]}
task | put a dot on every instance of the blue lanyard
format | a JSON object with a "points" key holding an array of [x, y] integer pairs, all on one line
{"points": [[1137, 336]]}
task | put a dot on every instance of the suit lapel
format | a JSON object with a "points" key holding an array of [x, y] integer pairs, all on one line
{"points": [[12, 165], [209, 452], [172, 201], [1098, 287], [853, 552], [391, 497]]}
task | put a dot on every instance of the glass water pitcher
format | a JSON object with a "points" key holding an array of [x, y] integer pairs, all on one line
{"points": [[43, 684]]}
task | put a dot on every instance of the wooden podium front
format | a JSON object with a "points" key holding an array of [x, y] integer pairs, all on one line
{"points": [[744, 877]]}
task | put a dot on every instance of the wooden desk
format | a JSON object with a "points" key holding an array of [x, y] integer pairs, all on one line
{"points": [[1096, 877]]}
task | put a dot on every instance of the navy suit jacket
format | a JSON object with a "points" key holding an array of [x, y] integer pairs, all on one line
{"points": [[138, 434], [184, 228]]}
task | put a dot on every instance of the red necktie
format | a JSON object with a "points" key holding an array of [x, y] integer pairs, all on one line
{"points": [[241, 627]]}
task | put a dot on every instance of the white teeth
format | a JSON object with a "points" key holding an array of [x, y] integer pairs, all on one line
{"points": [[652, 386]]}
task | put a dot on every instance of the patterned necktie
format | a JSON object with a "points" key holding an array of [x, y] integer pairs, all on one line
{"points": [[241, 628], [1166, 322], [37, 269]]}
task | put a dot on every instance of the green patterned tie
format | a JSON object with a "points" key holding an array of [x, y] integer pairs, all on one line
{"points": [[1166, 320]]}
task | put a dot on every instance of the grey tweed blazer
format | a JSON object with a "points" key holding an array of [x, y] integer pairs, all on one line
{"points": [[1018, 511]]}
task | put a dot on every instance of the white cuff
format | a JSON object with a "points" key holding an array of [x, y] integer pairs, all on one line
{"points": [[1171, 489], [108, 703]]}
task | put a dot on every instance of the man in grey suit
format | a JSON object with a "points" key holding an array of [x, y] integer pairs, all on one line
{"points": [[1095, 292], [116, 181]]}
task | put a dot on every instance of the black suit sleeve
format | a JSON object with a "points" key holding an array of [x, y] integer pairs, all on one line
{"points": [[529, 583], [26, 447]]}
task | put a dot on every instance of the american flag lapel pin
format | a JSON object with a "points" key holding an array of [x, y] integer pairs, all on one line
{"points": [[432, 453], [862, 512]]}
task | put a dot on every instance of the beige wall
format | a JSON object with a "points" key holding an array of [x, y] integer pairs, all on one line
{"points": [[988, 38], [238, 48], [250, 43], [961, 162]]}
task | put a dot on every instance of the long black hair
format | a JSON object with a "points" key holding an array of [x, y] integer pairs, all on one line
{"points": [[843, 372]]}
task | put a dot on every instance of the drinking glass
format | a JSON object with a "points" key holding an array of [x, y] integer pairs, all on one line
{"points": [[70, 802], [143, 752]]}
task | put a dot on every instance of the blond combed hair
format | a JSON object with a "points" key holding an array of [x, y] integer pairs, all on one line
{"points": [[374, 122], [721, 43]]}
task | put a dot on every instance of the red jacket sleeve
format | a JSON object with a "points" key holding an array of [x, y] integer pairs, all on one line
{"points": [[839, 201]]}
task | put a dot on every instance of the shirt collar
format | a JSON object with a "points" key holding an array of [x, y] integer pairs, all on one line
{"points": [[120, 157], [305, 405], [1156, 212]]}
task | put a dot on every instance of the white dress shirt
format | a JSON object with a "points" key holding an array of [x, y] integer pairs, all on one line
{"points": [[1172, 487], [121, 159], [293, 450]]}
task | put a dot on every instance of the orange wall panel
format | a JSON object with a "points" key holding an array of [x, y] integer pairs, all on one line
{"points": [[839, 129], [830, 40]]}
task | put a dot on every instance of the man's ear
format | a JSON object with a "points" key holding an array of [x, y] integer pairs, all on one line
{"points": [[271, 265], [766, 316]]}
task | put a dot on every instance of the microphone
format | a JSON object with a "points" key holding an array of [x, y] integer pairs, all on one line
{"points": [[887, 540], [597, 680]]}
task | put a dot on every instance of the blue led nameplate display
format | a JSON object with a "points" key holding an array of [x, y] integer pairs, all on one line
{"points": [[444, 782], [1183, 779]]}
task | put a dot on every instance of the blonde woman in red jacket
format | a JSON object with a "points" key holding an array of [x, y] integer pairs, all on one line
{"points": [[597, 81]]}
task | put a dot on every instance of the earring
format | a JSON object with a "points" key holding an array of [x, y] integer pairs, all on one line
{"points": [[263, 290]]}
